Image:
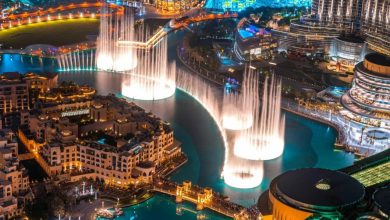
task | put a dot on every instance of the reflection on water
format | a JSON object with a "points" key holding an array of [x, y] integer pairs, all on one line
{"points": [[164, 207], [308, 143], [23, 63]]}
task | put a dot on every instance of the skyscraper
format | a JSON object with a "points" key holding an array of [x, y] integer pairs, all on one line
{"points": [[375, 19]]}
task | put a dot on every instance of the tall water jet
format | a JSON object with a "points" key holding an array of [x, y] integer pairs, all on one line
{"points": [[238, 107], [243, 173], [154, 77], [77, 61], [204, 93], [237, 172], [265, 139], [114, 27]]}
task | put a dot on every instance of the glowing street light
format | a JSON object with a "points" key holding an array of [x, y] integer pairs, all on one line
{"points": [[81, 15], [93, 15], [59, 16], [29, 20], [70, 16], [48, 18], [38, 19], [10, 24]]}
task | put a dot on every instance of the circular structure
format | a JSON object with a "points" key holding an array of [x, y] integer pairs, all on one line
{"points": [[313, 191], [370, 93], [381, 199], [348, 51]]}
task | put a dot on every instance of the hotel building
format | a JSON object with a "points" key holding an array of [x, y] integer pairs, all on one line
{"points": [[113, 141]]}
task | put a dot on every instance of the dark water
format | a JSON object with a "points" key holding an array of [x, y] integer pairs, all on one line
{"points": [[308, 143]]}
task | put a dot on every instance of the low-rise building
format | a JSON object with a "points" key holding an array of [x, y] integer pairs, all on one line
{"points": [[19, 92], [253, 42], [14, 180], [113, 141]]}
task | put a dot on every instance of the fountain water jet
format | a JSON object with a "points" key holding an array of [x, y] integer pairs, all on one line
{"points": [[238, 108], [110, 56], [77, 61], [154, 77], [265, 139], [237, 172], [243, 173]]}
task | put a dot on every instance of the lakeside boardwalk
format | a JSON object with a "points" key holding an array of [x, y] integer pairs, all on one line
{"points": [[203, 198]]}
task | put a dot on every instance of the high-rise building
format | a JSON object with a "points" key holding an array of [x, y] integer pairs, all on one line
{"points": [[345, 13], [375, 19]]}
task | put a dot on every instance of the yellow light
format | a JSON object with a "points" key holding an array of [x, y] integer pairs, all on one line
{"points": [[59, 17], [81, 15]]}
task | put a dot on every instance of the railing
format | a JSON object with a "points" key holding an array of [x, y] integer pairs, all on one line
{"points": [[216, 202]]}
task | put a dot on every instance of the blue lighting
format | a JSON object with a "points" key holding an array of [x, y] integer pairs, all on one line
{"points": [[239, 5], [102, 141]]}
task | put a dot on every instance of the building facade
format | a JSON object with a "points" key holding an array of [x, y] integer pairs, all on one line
{"points": [[252, 42], [113, 141], [375, 20], [19, 93], [14, 180]]}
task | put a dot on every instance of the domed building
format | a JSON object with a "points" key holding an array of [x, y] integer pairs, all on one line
{"points": [[381, 200], [313, 192]]}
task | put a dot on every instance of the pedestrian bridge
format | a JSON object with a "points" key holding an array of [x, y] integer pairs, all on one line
{"points": [[204, 198], [173, 25]]}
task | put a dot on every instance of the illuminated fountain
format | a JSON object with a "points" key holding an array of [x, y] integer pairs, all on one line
{"points": [[243, 173], [265, 139], [204, 93], [238, 108], [237, 172], [109, 55], [77, 61], [154, 77]]}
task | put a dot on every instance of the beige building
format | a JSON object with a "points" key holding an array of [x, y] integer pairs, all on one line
{"points": [[14, 180], [19, 93], [114, 141]]}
